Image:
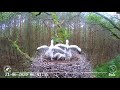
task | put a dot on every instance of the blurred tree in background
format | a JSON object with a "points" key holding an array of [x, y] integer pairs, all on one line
{"points": [[97, 33]]}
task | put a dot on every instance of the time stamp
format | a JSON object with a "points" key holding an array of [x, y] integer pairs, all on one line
{"points": [[8, 72]]}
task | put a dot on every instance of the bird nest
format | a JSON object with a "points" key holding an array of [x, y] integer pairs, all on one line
{"points": [[77, 67]]}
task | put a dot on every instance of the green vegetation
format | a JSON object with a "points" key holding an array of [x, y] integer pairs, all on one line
{"points": [[107, 68], [111, 24], [61, 33], [62, 36], [22, 32]]}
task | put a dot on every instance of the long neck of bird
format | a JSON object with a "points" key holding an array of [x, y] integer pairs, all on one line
{"points": [[51, 48], [51, 43], [67, 43]]}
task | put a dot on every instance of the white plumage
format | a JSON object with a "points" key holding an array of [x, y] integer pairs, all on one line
{"points": [[73, 47], [67, 51], [62, 46], [42, 47], [52, 50], [59, 56], [49, 52], [59, 51]]}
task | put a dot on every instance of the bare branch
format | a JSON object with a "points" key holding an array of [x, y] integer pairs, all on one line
{"points": [[111, 31]]}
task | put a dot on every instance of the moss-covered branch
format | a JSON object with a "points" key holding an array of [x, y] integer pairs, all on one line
{"points": [[14, 44], [19, 50]]}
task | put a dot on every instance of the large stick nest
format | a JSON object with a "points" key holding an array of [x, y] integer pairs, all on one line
{"points": [[77, 67]]}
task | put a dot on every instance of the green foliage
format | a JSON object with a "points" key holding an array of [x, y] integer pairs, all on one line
{"points": [[58, 37], [93, 18], [106, 68], [98, 20], [6, 16], [62, 36], [57, 40], [55, 18]]}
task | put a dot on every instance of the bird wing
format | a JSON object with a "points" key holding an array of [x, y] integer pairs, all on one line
{"points": [[59, 56], [58, 50], [42, 49], [62, 46], [75, 48]]}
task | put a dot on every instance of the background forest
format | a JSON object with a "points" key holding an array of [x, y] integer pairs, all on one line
{"points": [[96, 33]]}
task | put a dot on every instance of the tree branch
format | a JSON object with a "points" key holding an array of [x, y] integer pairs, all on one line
{"points": [[38, 13], [108, 20], [17, 48], [111, 31]]}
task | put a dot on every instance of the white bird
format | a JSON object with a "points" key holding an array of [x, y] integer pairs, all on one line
{"points": [[73, 47], [71, 50], [62, 46], [68, 51], [42, 49], [59, 56], [52, 50]]}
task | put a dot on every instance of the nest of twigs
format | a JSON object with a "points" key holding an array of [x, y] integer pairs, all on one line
{"points": [[77, 67]]}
